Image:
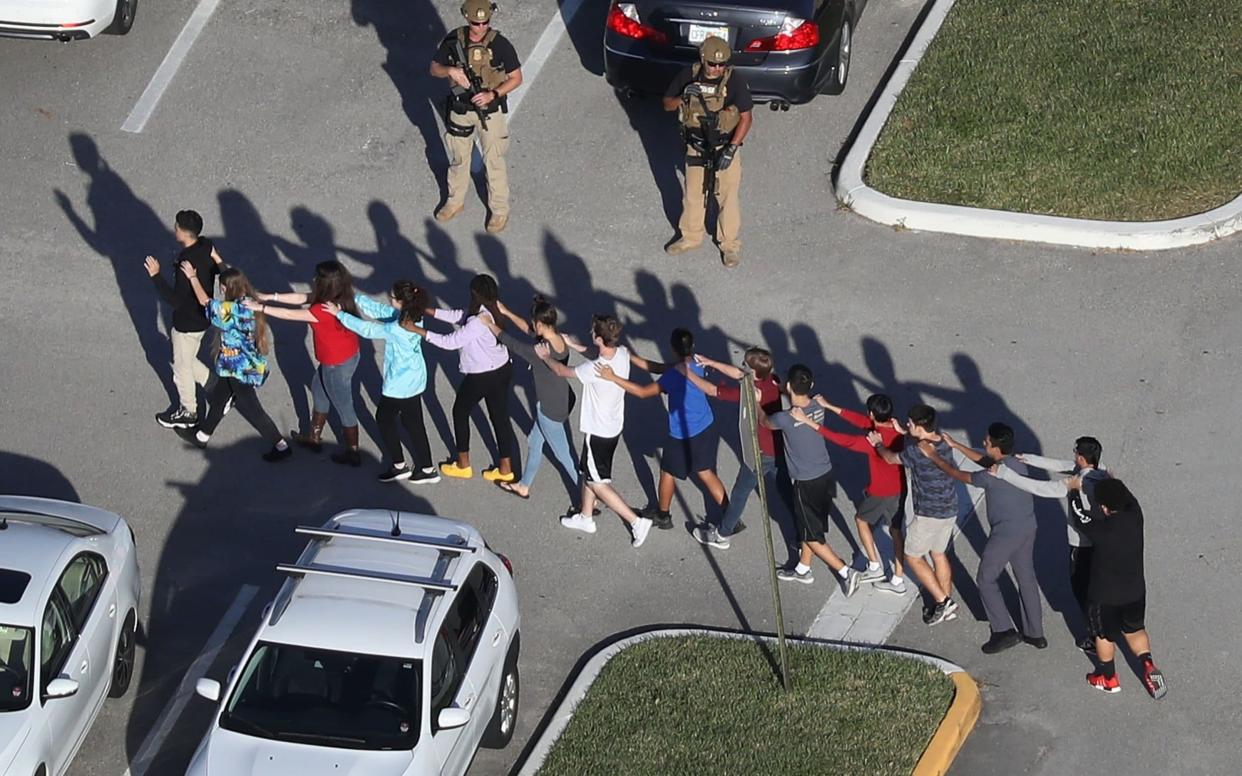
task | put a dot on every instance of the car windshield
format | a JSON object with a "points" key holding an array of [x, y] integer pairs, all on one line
{"points": [[16, 655], [326, 698]]}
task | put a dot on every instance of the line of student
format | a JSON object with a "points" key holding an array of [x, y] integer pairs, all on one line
{"points": [[1105, 519]]}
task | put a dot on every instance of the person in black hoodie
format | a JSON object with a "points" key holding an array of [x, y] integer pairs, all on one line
{"points": [[1117, 589], [189, 324]]}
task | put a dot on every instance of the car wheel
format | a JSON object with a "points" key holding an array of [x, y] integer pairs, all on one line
{"points": [[123, 19], [504, 719], [123, 662], [845, 46]]}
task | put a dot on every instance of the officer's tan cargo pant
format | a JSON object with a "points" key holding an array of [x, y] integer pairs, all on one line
{"points": [[494, 142], [694, 205]]}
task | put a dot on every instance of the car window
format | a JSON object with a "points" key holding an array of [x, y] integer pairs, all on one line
{"points": [[446, 673], [327, 698], [16, 667], [80, 584], [473, 607], [56, 639]]}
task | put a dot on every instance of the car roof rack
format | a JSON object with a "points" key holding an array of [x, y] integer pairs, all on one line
{"points": [[448, 544], [323, 569], [69, 525]]}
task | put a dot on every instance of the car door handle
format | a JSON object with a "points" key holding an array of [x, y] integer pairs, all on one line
{"points": [[496, 638], [85, 666], [112, 610], [465, 704]]}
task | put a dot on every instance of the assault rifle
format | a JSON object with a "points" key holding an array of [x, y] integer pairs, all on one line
{"points": [[709, 126], [476, 86]]}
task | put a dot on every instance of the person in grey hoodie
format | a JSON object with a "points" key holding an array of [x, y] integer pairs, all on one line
{"points": [[1086, 467]]}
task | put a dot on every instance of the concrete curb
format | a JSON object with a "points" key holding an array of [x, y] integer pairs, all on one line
{"points": [[958, 721], [855, 194]]}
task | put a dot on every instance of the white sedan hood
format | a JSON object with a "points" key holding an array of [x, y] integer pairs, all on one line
{"points": [[233, 754]]}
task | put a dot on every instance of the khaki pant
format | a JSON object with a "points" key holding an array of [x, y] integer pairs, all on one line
{"points": [[188, 368], [694, 205], [494, 142]]}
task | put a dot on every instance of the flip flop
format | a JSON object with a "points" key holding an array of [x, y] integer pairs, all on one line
{"points": [[507, 487]]}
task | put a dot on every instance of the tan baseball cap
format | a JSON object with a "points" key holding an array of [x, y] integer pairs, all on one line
{"points": [[477, 10]]}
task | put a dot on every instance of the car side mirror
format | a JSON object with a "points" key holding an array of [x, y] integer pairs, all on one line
{"points": [[208, 688], [62, 687], [453, 717]]}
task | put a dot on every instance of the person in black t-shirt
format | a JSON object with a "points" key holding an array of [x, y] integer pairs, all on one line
{"points": [[1117, 589], [189, 324], [479, 53], [714, 105]]}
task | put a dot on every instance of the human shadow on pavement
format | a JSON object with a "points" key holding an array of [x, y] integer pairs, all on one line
{"points": [[22, 475], [235, 525], [410, 33], [124, 229]]}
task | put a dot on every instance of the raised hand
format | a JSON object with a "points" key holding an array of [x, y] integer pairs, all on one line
{"points": [[187, 269], [543, 350], [153, 266], [332, 308], [605, 371], [798, 415], [252, 304]]}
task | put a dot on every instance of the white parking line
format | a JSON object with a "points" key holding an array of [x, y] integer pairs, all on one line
{"points": [[150, 98], [164, 723]]}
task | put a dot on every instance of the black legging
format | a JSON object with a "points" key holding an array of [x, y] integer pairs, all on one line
{"points": [[493, 389], [247, 401], [410, 414]]}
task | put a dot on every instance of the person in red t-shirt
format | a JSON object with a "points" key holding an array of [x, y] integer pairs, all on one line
{"points": [[881, 501], [336, 350], [761, 366]]}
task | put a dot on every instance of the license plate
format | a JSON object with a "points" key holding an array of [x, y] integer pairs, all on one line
{"points": [[701, 32]]}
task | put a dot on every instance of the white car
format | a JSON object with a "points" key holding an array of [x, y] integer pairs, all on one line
{"points": [[69, 592], [65, 20], [391, 650]]}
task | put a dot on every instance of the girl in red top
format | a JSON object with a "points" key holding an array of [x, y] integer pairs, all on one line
{"points": [[336, 350]]}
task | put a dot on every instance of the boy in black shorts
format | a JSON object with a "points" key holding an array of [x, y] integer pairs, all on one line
{"points": [[692, 439], [810, 468], [1117, 590]]}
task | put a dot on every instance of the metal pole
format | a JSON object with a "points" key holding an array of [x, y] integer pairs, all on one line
{"points": [[750, 420]]}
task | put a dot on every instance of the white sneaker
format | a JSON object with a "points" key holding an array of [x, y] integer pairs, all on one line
{"points": [[580, 522], [707, 534], [640, 527], [889, 586]]}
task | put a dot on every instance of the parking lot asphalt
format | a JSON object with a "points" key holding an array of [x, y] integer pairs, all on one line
{"points": [[309, 132]]}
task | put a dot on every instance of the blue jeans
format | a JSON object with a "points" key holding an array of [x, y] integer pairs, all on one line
{"points": [[746, 482], [333, 387], [547, 430]]}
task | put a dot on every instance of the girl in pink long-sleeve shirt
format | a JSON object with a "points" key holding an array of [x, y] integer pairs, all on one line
{"points": [[486, 374]]}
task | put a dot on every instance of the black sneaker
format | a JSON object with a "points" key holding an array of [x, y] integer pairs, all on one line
{"points": [[276, 454], [424, 476], [177, 417], [190, 435], [662, 520], [395, 473], [1086, 644], [928, 612], [1038, 642], [944, 611], [999, 642], [737, 529]]}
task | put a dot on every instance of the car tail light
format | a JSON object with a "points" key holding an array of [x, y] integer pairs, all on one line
{"points": [[505, 560], [623, 20], [795, 34]]}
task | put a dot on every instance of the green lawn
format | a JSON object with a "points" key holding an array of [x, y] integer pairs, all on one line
{"points": [[1112, 109], [699, 705]]}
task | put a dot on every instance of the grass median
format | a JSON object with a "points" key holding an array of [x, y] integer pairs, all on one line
{"points": [[1125, 110], [701, 705]]}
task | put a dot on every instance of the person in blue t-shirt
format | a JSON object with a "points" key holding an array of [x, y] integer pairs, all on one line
{"points": [[692, 438]]}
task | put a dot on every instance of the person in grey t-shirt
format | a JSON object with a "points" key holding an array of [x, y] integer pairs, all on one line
{"points": [[1011, 513]]}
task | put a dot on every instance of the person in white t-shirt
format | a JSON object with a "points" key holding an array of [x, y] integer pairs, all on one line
{"points": [[601, 420]]}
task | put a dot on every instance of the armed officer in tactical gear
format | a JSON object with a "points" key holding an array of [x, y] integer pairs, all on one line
{"points": [[482, 67], [714, 106]]}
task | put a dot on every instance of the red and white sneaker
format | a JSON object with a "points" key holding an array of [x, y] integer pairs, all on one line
{"points": [[1153, 680], [1105, 683]]}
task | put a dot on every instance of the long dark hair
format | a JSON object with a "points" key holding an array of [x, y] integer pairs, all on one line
{"points": [[542, 311], [236, 286], [413, 301], [333, 283], [484, 294]]}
